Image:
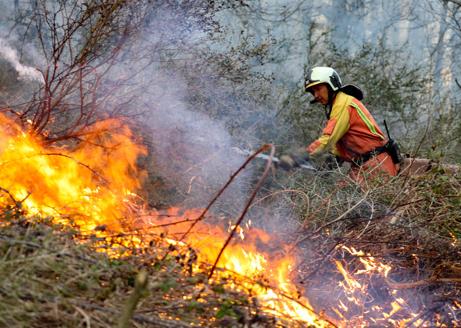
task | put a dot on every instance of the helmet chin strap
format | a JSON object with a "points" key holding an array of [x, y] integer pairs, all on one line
{"points": [[329, 105]]}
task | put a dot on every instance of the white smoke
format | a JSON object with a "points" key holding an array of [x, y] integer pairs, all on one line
{"points": [[24, 72], [190, 148]]}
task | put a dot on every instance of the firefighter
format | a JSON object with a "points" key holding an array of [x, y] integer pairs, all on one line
{"points": [[350, 133]]}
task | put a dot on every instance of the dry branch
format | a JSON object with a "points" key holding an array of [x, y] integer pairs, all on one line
{"points": [[247, 206], [220, 192]]}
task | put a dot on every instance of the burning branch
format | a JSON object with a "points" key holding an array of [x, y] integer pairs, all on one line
{"points": [[9, 194], [76, 161], [80, 43], [423, 282]]}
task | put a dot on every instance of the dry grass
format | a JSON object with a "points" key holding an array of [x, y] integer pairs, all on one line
{"points": [[52, 277], [50, 280], [411, 224]]}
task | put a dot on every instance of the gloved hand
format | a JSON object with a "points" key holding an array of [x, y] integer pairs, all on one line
{"points": [[290, 161], [331, 163]]}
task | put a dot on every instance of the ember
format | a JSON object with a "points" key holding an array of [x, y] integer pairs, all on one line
{"points": [[360, 305]]}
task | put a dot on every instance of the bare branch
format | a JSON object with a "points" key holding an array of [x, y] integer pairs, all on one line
{"points": [[247, 206], [457, 83], [220, 192]]}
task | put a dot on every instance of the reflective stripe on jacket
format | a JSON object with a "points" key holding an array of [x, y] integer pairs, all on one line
{"points": [[350, 132]]}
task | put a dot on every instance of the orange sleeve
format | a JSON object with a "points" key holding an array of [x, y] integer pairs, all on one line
{"points": [[314, 146]]}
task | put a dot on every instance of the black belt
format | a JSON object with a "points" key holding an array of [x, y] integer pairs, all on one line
{"points": [[360, 160]]}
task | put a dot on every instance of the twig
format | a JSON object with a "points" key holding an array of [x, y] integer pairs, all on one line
{"points": [[78, 162], [326, 256], [368, 223], [65, 156], [281, 293], [250, 200], [86, 317], [232, 177], [424, 315], [457, 83], [407, 177], [139, 287], [324, 202], [16, 203], [341, 217], [9, 194], [137, 317], [423, 282]]}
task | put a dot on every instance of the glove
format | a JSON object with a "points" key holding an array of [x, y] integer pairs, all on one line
{"points": [[287, 162], [290, 161]]}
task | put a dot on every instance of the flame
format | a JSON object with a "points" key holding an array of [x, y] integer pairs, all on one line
{"points": [[92, 186], [266, 274], [355, 286], [88, 183]]}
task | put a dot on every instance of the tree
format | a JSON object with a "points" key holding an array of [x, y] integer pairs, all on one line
{"points": [[83, 46]]}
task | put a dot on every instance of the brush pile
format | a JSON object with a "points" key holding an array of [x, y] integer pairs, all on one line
{"points": [[52, 278], [394, 249], [385, 256]]}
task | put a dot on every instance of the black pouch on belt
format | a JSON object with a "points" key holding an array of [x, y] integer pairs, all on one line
{"points": [[392, 148]]}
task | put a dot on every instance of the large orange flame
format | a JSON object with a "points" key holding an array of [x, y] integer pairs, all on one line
{"points": [[89, 182], [91, 185], [265, 273]]}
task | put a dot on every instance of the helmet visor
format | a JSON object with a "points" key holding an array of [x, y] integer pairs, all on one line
{"points": [[309, 84]]}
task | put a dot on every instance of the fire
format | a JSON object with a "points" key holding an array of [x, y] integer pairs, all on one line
{"points": [[355, 286], [266, 275], [88, 182], [91, 187]]}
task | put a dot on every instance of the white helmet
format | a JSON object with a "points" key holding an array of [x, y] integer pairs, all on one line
{"points": [[319, 75]]}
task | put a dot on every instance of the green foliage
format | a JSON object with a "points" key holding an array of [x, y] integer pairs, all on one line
{"points": [[394, 90], [226, 309], [439, 202], [440, 137], [391, 84]]}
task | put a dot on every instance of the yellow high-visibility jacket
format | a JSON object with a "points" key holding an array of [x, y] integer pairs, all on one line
{"points": [[350, 132]]}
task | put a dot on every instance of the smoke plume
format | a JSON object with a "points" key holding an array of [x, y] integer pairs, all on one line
{"points": [[24, 72]]}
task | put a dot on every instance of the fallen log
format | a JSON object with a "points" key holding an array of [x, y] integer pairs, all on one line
{"points": [[417, 166]]}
